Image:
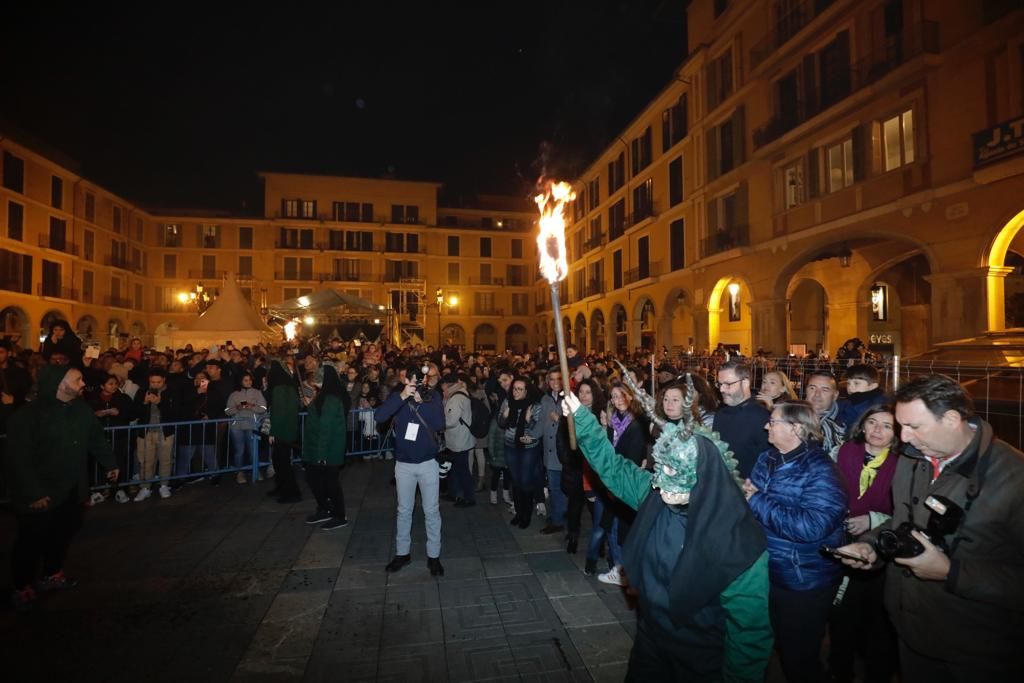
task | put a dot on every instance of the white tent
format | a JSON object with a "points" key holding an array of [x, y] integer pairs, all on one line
{"points": [[230, 317]]}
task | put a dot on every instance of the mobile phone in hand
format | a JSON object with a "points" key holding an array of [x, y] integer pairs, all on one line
{"points": [[841, 554]]}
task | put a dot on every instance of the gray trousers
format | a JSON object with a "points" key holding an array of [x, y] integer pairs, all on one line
{"points": [[407, 477]]}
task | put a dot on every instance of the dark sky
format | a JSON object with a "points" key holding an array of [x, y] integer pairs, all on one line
{"points": [[181, 109]]}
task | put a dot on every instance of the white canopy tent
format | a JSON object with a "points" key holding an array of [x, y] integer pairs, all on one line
{"points": [[230, 317]]}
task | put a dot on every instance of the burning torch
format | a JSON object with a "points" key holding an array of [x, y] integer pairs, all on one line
{"points": [[554, 266]]}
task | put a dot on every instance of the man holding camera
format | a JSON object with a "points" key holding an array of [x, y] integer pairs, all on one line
{"points": [[417, 416], [956, 599]]}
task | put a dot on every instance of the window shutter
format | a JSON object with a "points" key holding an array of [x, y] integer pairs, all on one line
{"points": [[738, 136], [284, 207], [860, 159], [712, 208], [712, 147], [813, 173], [810, 77], [711, 73], [741, 207]]}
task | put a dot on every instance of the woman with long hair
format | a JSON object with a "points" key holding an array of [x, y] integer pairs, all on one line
{"points": [[323, 452], [795, 493], [775, 386], [574, 464], [520, 418], [628, 435], [867, 463]]}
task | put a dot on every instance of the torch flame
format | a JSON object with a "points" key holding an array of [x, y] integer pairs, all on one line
{"points": [[554, 265]]}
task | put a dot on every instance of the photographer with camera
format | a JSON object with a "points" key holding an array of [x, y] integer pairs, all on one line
{"points": [[955, 545], [417, 416]]}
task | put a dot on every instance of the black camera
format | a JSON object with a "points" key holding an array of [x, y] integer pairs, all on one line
{"points": [[943, 520]]}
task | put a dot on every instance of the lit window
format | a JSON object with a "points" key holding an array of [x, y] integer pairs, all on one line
{"points": [[840, 165], [898, 140]]}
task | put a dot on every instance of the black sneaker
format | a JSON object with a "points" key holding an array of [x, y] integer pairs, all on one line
{"points": [[334, 523], [397, 563], [591, 568], [434, 564], [319, 517]]}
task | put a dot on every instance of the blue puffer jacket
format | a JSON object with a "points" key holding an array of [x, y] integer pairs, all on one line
{"points": [[801, 505]]}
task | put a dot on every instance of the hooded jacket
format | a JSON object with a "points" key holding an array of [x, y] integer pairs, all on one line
{"points": [[325, 431], [708, 601], [49, 446], [977, 614], [284, 403]]}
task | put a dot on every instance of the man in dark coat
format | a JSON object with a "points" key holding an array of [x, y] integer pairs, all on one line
{"points": [[50, 441], [740, 419]]}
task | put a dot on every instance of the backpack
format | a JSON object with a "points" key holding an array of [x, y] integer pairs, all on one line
{"points": [[480, 423]]}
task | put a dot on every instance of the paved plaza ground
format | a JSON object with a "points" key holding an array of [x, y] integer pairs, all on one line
{"points": [[224, 584]]}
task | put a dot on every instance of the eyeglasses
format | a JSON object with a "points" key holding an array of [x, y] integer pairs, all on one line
{"points": [[728, 384]]}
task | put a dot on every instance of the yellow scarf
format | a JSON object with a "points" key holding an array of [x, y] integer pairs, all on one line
{"points": [[870, 471]]}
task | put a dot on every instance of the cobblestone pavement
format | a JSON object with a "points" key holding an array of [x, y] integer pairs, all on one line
{"points": [[225, 584]]}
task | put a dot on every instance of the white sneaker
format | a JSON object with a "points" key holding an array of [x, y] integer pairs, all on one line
{"points": [[270, 472], [240, 478], [121, 497], [143, 494], [165, 491], [96, 498], [494, 497], [506, 496], [542, 509], [611, 577]]}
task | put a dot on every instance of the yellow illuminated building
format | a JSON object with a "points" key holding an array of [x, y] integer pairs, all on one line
{"points": [[809, 158]]}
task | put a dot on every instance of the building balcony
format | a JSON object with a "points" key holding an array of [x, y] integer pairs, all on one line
{"points": [[55, 291], [642, 272], [724, 240], [395, 250], [117, 302], [121, 262], [286, 244], [294, 276], [593, 288], [923, 39], [786, 26], [489, 311], [639, 216], [593, 241], [204, 274], [399, 277], [492, 281], [342, 276], [58, 245], [14, 285]]}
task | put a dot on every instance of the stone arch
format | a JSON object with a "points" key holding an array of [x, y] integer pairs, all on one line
{"points": [[516, 338], [455, 333], [676, 324], [598, 333], [808, 314], [162, 334], [620, 328], [14, 325], [485, 338], [579, 333], [138, 329], [995, 262], [729, 313], [87, 328], [48, 319]]}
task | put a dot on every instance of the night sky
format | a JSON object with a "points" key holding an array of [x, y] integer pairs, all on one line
{"points": [[182, 109]]}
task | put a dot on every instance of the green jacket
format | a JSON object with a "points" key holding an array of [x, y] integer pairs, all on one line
{"points": [[748, 636], [284, 404], [325, 433], [49, 443]]}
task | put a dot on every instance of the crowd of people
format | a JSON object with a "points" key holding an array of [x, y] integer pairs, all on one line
{"points": [[794, 499]]}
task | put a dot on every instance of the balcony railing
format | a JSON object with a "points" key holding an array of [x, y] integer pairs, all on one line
{"points": [[723, 240], [14, 286], [56, 291], [923, 39], [297, 275], [398, 277], [59, 245], [287, 244], [119, 262], [117, 302], [786, 26], [204, 274], [343, 276], [393, 249], [494, 281], [640, 215], [593, 241], [642, 272], [593, 288], [488, 310]]}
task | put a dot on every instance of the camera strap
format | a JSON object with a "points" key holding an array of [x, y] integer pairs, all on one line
{"points": [[423, 422], [974, 485]]}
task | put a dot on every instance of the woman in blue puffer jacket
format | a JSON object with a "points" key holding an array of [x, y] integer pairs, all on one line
{"points": [[796, 494]]}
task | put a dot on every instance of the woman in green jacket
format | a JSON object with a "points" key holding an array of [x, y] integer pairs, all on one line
{"points": [[695, 559], [283, 392], [323, 452]]}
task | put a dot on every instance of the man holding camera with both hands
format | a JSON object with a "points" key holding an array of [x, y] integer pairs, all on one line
{"points": [[418, 415], [957, 598]]}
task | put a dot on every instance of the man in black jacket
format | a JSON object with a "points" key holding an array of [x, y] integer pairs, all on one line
{"points": [[740, 419], [155, 406], [958, 604]]}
